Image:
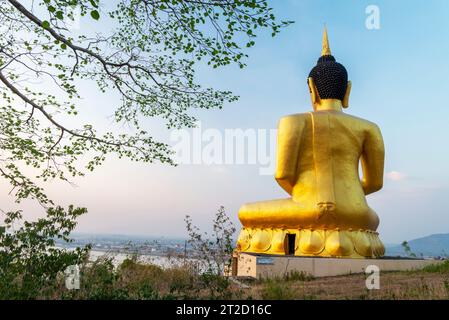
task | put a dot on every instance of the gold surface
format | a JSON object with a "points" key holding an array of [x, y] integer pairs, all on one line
{"points": [[310, 242], [318, 157], [326, 50]]}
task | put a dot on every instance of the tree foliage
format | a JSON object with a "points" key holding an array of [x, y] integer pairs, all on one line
{"points": [[143, 51]]}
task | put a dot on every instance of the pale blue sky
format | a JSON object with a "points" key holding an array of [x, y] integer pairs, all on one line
{"points": [[400, 81]]}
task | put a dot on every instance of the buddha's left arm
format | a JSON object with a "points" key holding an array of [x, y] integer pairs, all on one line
{"points": [[288, 140], [373, 161]]}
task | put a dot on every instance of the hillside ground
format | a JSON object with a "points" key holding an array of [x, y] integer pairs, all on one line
{"points": [[134, 280], [393, 285]]}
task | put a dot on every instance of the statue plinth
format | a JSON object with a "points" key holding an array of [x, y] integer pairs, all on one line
{"points": [[309, 242], [270, 266]]}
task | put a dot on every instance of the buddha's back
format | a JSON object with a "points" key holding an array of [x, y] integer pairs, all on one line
{"points": [[328, 183]]}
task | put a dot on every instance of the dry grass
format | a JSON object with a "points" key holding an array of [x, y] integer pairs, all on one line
{"points": [[393, 285]]}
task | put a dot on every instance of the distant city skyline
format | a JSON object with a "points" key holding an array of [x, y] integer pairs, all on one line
{"points": [[399, 74]]}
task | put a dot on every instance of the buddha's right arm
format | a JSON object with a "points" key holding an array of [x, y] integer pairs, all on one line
{"points": [[288, 143], [373, 161]]}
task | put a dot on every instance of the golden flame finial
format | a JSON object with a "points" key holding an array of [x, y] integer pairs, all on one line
{"points": [[326, 51]]}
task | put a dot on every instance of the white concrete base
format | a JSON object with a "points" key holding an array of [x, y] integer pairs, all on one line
{"points": [[268, 266]]}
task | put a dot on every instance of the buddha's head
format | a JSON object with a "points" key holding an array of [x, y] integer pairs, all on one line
{"points": [[328, 80]]}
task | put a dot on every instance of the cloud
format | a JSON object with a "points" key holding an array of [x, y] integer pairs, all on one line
{"points": [[396, 176]]}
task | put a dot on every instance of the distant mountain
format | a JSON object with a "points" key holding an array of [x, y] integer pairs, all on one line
{"points": [[429, 246]]}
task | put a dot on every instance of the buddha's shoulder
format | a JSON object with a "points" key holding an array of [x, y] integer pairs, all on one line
{"points": [[294, 118], [301, 118], [363, 122]]}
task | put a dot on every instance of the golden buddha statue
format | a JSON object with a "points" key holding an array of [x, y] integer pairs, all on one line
{"points": [[318, 156]]}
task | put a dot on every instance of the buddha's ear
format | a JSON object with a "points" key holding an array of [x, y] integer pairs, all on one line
{"points": [[345, 101], [313, 91]]}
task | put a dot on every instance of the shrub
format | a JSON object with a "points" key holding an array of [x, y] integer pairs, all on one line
{"points": [[213, 253], [277, 290], [438, 267], [30, 264]]}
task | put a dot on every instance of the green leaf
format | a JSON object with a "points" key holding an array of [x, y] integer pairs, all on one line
{"points": [[59, 15], [45, 24], [95, 14], [93, 3]]}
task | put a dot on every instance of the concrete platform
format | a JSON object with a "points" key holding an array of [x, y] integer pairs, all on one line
{"points": [[268, 266]]}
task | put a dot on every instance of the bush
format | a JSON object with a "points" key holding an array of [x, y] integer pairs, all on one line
{"points": [[298, 276], [438, 268], [277, 290], [30, 264], [213, 253]]}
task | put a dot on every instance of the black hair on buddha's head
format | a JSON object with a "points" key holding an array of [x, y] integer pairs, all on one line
{"points": [[330, 78]]}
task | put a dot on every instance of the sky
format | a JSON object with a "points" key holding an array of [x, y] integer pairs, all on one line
{"points": [[399, 75]]}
